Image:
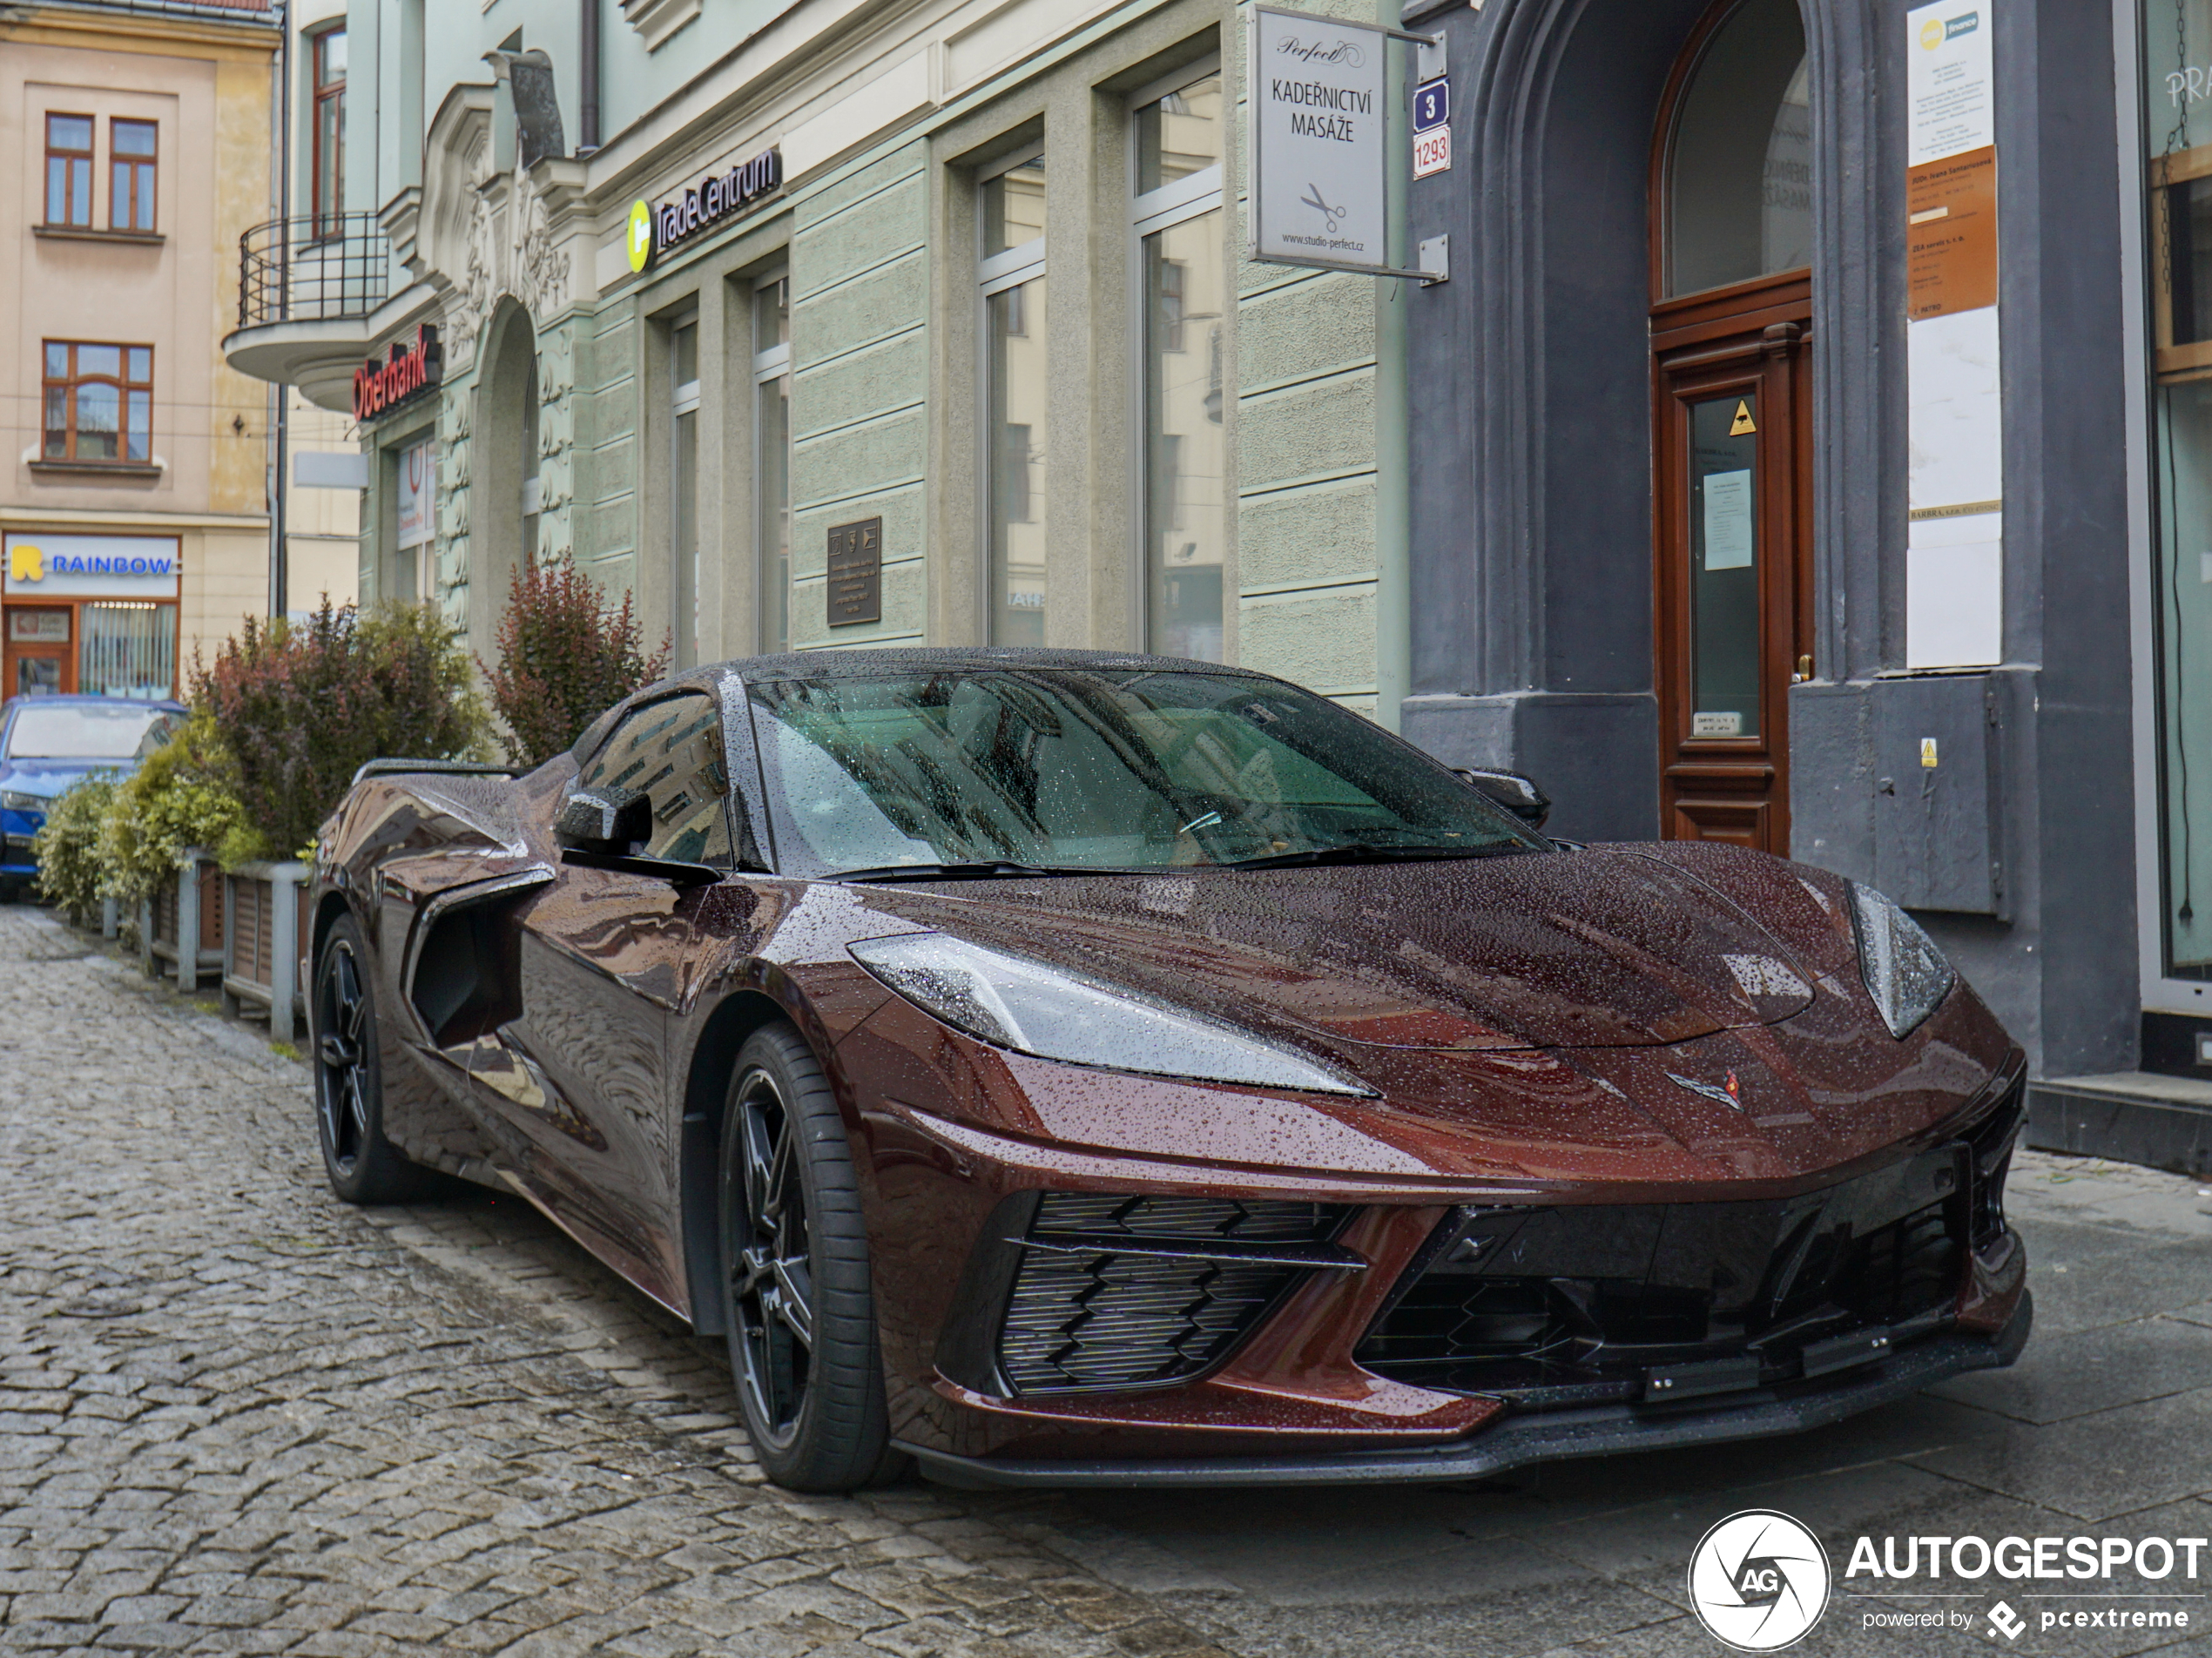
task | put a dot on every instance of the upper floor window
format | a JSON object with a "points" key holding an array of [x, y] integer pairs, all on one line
{"points": [[99, 401], [1013, 208], [131, 146], [69, 171], [1177, 216], [772, 459], [327, 181]]}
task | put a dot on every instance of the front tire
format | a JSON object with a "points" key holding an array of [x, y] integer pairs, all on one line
{"points": [[363, 1166], [796, 1296]]}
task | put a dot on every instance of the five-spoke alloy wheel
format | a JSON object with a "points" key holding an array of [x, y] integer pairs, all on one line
{"points": [[798, 1305], [363, 1167]]}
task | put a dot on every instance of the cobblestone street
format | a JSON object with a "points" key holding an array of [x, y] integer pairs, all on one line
{"points": [[239, 1416]]}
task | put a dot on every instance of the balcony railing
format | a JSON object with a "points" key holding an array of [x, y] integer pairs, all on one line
{"points": [[325, 267]]}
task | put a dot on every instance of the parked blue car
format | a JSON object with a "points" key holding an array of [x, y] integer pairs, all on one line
{"points": [[48, 743]]}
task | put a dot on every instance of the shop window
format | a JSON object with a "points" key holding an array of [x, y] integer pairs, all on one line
{"points": [[99, 402], [684, 469], [2177, 43], [1177, 220], [132, 147], [772, 458], [68, 171], [327, 177], [1739, 161], [129, 649], [1013, 272]]}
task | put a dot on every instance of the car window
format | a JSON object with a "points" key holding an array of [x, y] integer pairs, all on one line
{"points": [[83, 730], [1103, 769], [671, 751]]}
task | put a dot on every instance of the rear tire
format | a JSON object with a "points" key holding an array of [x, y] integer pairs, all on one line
{"points": [[363, 1166], [797, 1300]]}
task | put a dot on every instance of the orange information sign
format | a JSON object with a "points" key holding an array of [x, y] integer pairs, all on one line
{"points": [[1951, 234]]}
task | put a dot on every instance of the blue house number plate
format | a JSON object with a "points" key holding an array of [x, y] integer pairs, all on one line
{"points": [[1432, 105]]}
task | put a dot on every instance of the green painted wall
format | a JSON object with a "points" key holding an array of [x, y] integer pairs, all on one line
{"points": [[860, 287]]}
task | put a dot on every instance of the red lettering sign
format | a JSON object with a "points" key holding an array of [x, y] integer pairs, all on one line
{"points": [[409, 370]]}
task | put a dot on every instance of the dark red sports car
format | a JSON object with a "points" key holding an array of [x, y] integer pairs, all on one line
{"points": [[1071, 1068]]}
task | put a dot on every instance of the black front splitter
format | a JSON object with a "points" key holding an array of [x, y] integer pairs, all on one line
{"points": [[1518, 1441]]}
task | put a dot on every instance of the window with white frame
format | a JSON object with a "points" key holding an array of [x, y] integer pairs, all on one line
{"points": [[684, 477], [1183, 278], [772, 458], [1013, 283]]}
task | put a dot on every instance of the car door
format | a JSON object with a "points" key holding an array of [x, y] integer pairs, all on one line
{"points": [[603, 956]]}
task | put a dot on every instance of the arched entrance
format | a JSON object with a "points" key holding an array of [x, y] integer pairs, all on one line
{"points": [[504, 504], [1731, 248]]}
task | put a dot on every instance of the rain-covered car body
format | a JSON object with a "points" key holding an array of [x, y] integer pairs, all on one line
{"points": [[47, 743], [1577, 1149]]}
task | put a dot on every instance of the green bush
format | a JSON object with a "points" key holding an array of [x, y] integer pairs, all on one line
{"points": [[181, 796], [67, 847], [301, 706], [566, 656]]}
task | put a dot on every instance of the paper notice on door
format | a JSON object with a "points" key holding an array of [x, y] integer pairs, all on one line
{"points": [[1728, 520]]}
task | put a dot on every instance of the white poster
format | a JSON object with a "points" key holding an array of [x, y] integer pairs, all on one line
{"points": [[1728, 520], [417, 494], [1948, 74], [1955, 570], [1318, 157]]}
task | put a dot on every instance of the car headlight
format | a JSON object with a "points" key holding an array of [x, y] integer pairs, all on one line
{"points": [[1905, 973], [16, 801], [1010, 1002]]}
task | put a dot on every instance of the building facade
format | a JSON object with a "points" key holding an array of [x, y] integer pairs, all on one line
{"points": [[134, 511], [1799, 453]]}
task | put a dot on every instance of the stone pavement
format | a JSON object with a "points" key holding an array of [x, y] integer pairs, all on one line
{"points": [[238, 1416]]}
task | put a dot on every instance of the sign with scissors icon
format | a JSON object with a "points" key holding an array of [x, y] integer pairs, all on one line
{"points": [[1321, 91]]}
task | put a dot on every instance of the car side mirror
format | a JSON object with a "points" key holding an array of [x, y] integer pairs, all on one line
{"points": [[604, 820], [1517, 794]]}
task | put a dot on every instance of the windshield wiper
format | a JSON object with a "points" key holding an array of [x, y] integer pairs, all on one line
{"points": [[993, 870], [1360, 852]]}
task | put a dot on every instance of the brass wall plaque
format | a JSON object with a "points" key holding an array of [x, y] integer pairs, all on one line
{"points": [[856, 572], [1951, 234]]}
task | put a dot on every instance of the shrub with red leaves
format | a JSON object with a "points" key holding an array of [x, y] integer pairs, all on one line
{"points": [[566, 656], [301, 705]]}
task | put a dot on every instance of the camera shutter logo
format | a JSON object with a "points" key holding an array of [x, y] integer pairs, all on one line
{"points": [[1758, 1580]]}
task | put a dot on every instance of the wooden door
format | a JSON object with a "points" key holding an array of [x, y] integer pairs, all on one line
{"points": [[1733, 582], [41, 650]]}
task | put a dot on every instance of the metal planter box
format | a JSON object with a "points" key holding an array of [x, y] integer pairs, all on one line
{"points": [[182, 924], [264, 933]]}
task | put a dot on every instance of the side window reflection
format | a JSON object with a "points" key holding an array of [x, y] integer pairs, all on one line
{"points": [[670, 751]]}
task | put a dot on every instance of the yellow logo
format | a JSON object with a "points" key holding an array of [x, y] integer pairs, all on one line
{"points": [[26, 563], [1931, 35], [641, 235]]}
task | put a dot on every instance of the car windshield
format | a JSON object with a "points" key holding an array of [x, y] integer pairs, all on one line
{"points": [[1096, 768], [86, 731]]}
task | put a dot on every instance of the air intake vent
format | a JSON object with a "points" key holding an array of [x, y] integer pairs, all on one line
{"points": [[1116, 1291]]}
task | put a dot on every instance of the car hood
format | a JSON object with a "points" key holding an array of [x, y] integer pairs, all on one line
{"points": [[1599, 948], [50, 778]]}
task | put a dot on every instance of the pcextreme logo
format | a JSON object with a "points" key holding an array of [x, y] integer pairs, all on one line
{"points": [[26, 563], [1758, 1580]]}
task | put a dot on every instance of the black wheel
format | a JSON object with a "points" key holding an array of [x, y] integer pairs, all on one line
{"points": [[798, 1307], [363, 1166]]}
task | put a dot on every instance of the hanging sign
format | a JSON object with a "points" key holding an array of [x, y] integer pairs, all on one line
{"points": [[654, 230], [1320, 162], [409, 371]]}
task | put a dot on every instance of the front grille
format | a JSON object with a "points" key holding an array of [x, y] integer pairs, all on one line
{"points": [[1091, 1309], [1563, 1306]]}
